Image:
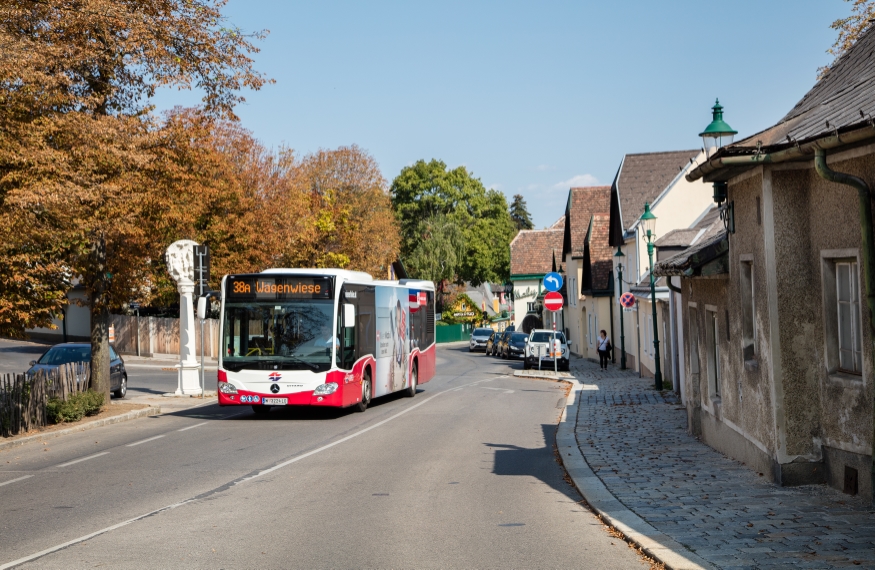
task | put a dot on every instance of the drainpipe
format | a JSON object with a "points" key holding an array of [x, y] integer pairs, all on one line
{"points": [[865, 205]]}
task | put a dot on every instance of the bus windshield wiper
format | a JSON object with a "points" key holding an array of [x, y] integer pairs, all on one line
{"points": [[314, 367]]}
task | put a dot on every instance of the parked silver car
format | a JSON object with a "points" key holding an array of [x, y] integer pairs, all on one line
{"points": [[538, 349], [478, 339], [69, 352]]}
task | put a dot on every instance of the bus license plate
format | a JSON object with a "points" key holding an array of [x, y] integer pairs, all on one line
{"points": [[275, 401]]}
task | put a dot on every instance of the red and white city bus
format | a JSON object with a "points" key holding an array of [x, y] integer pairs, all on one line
{"points": [[322, 337]]}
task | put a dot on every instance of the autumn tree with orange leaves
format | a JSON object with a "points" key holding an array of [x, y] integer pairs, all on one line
{"points": [[76, 157]]}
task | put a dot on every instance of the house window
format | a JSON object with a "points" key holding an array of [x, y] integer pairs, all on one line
{"points": [[841, 311], [848, 306], [712, 349], [748, 311], [530, 307], [589, 324], [694, 340]]}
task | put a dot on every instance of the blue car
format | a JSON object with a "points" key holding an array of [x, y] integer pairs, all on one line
{"points": [[69, 352]]}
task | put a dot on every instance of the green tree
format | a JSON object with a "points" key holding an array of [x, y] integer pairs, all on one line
{"points": [[438, 253], [428, 189], [520, 214], [850, 29]]}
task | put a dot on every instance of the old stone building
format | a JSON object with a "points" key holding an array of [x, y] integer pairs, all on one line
{"points": [[777, 304]]}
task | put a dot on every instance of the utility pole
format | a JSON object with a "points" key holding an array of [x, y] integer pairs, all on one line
{"points": [[619, 255]]}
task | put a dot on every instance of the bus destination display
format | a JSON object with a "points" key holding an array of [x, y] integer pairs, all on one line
{"points": [[272, 287]]}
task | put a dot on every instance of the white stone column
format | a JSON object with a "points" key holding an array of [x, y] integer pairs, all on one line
{"points": [[180, 264]]}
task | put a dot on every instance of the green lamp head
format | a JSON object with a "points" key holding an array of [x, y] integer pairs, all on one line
{"points": [[648, 223], [717, 134]]}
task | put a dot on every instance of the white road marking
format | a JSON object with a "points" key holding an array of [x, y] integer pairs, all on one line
{"points": [[16, 480], [589, 387], [194, 426], [186, 501], [145, 440], [83, 459], [505, 390]]}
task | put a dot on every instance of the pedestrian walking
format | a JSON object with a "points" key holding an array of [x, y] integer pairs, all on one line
{"points": [[604, 349]]}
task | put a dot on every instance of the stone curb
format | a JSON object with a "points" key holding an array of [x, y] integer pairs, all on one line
{"points": [[543, 374], [132, 415], [652, 542]]}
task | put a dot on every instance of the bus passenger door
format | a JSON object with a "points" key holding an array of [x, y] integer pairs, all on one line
{"points": [[347, 336]]}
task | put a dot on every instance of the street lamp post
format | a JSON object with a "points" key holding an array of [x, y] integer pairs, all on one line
{"points": [[648, 224], [619, 255]]}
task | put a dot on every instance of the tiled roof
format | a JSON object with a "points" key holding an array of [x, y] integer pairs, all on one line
{"points": [[531, 251], [558, 224], [847, 88], [688, 236], [677, 238], [583, 202], [643, 177], [708, 248], [600, 252]]}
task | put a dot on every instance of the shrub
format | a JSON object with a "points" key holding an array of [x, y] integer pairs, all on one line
{"points": [[75, 408]]}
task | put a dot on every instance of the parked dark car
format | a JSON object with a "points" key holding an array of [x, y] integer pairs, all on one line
{"points": [[69, 352], [492, 343], [502, 343], [516, 345]]}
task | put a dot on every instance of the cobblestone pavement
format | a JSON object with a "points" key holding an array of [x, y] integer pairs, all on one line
{"points": [[635, 439]]}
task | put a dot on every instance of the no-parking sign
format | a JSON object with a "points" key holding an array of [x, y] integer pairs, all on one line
{"points": [[627, 300]]}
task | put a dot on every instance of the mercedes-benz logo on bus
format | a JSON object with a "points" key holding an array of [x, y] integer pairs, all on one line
{"points": [[274, 388]]}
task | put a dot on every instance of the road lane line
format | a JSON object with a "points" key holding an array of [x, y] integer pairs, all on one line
{"points": [[332, 444], [145, 440], [89, 536], [16, 480], [83, 459], [194, 426]]}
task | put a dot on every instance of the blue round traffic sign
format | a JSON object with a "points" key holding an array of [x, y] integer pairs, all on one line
{"points": [[552, 281]]}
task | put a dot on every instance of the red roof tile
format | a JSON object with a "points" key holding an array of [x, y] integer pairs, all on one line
{"points": [[583, 202], [531, 251]]}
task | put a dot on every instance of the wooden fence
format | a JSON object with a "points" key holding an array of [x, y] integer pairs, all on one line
{"points": [[23, 397], [158, 335]]}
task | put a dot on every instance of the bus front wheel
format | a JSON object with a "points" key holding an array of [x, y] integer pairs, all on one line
{"points": [[366, 393]]}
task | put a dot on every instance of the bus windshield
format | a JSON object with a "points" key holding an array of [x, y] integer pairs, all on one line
{"points": [[294, 334]]}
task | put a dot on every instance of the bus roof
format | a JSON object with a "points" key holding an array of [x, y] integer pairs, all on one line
{"points": [[354, 277], [344, 273]]}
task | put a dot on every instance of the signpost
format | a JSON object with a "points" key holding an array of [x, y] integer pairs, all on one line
{"points": [[627, 300], [553, 282], [553, 302], [202, 284]]}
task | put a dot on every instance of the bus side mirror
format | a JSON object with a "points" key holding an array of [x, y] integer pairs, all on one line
{"points": [[348, 315], [202, 307]]}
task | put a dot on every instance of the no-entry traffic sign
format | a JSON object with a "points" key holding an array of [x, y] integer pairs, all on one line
{"points": [[553, 302]]}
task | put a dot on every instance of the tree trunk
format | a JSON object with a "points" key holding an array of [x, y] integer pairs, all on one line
{"points": [[100, 381]]}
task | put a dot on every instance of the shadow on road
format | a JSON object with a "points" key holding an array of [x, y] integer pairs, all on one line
{"points": [[542, 463]]}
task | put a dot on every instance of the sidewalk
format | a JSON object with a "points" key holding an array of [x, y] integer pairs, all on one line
{"points": [[635, 440]]}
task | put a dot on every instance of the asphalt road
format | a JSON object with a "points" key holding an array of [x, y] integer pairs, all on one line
{"points": [[461, 476]]}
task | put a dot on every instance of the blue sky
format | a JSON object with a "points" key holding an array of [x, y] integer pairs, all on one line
{"points": [[531, 97]]}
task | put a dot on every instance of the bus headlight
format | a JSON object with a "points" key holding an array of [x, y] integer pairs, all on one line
{"points": [[227, 388], [325, 389]]}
